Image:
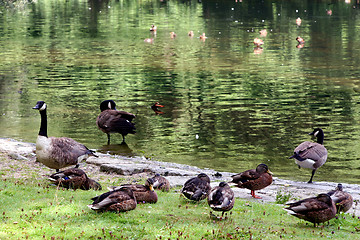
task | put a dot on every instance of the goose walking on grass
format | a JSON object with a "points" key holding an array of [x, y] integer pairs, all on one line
{"points": [[55, 152], [316, 209], [111, 120], [311, 154], [254, 179]]}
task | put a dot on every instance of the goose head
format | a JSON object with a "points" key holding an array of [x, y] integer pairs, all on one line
{"points": [[319, 134], [40, 105], [107, 104]]}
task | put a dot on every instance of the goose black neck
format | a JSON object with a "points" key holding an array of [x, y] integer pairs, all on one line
{"points": [[43, 124], [320, 138]]}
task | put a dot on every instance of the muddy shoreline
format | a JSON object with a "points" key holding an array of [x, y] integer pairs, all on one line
{"points": [[107, 168]]}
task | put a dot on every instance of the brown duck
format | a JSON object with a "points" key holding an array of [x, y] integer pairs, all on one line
{"points": [[316, 210], [119, 200], [221, 198], [197, 188], [161, 183], [74, 178], [111, 120], [143, 193], [342, 199], [254, 179], [56, 152], [311, 154]]}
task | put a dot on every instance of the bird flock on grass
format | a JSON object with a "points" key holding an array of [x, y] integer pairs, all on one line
{"points": [[58, 153], [61, 152]]}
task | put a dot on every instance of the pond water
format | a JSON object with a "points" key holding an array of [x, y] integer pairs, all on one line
{"points": [[228, 106]]}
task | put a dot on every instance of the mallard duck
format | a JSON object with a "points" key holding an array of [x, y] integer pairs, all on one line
{"points": [[316, 209], [258, 42], [172, 35], [221, 198], [254, 179], [111, 120], [153, 28], [300, 40], [197, 188], [57, 153], [342, 200], [143, 193], [155, 108], [311, 154], [120, 200], [74, 178], [161, 183]]}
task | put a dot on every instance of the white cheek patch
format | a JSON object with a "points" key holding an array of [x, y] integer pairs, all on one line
{"points": [[43, 107], [316, 133], [109, 105]]}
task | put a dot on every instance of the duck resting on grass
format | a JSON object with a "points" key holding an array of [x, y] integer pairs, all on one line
{"points": [[197, 188], [343, 200], [143, 193], [317, 209], [57, 153], [161, 183], [74, 178], [254, 179]]}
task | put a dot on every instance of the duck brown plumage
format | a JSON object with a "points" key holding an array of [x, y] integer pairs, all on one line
{"points": [[74, 178], [254, 179], [55, 152], [343, 200], [111, 120], [143, 193], [221, 198], [197, 188], [161, 183], [311, 154], [316, 209], [119, 200]]}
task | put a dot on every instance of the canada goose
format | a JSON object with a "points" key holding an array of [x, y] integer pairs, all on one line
{"points": [[143, 193], [254, 179], [111, 120], [343, 200], [120, 200], [161, 183], [74, 178], [316, 210], [197, 188], [221, 198], [60, 152], [311, 154]]}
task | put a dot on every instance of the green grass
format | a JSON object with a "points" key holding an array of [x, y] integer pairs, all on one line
{"points": [[30, 208]]}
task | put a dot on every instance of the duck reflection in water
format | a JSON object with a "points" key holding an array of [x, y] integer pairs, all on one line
{"points": [[155, 108], [117, 149]]}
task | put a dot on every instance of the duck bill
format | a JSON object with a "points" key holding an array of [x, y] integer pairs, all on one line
{"points": [[269, 172]]}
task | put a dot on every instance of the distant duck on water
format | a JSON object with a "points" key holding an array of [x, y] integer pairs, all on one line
{"points": [[55, 152], [111, 120], [311, 154]]}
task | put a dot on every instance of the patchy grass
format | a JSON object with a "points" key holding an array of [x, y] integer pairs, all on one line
{"points": [[33, 209]]}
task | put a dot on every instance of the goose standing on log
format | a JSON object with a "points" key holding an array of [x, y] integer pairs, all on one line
{"points": [[311, 154], [111, 120], [55, 152]]}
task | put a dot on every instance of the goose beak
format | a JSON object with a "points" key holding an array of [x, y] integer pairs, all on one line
{"points": [[36, 107]]}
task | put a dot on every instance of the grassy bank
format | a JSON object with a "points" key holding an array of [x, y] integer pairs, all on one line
{"points": [[31, 208]]}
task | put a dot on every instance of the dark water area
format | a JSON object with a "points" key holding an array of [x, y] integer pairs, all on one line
{"points": [[228, 106]]}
